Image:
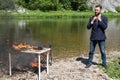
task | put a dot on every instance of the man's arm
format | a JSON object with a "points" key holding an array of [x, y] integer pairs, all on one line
{"points": [[90, 23], [103, 23]]}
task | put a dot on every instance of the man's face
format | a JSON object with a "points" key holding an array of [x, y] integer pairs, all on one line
{"points": [[97, 11]]}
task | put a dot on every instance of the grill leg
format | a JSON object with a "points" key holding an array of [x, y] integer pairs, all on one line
{"points": [[39, 68], [48, 62], [10, 70]]}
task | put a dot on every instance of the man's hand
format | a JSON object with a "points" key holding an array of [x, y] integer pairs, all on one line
{"points": [[94, 18], [99, 17]]}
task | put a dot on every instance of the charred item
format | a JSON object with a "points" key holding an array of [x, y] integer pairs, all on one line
{"points": [[22, 46], [30, 60], [21, 62]]}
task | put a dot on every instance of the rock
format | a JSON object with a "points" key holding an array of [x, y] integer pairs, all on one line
{"points": [[105, 76], [21, 10], [21, 79], [108, 5]]}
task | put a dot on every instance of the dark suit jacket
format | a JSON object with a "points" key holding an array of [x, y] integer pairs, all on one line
{"points": [[98, 28]]}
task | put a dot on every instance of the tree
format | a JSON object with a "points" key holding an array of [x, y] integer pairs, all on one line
{"points": [[48, 5], [75, 4], [6, 5], [66, 4]]}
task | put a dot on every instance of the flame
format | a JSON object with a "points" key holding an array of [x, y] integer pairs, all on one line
{"points": [[34, 64], [23, 45]]}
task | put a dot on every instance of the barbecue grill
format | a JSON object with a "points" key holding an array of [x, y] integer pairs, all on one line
{"points": [[28, 49]]}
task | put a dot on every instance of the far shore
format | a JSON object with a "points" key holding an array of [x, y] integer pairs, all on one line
{"points": [[54, 14]]}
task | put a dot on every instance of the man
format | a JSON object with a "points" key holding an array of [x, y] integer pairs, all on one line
{"points": [[98, 23]]}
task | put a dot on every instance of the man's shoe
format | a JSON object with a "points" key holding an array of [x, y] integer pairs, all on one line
{"points": [[105, 66], [88, 65]]}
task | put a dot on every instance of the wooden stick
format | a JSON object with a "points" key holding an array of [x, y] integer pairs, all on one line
{"points": [[10, 70]]}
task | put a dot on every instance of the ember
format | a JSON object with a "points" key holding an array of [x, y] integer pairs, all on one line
{"points": [[24, 46], [34, 64]]}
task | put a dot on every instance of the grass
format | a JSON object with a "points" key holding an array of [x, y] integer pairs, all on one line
{"points": [[113, 68], [54, 14], [111, 14]]}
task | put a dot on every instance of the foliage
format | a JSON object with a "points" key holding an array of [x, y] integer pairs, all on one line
{"points": [[83, 7], [118, 9], [55, 14], [47, 6], [6, 4], [53, 5], [66, 4]]}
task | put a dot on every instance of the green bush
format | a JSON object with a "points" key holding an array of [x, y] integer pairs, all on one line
{"points": [[33, 4], [66, 4], [118, 9], [43, 5], [47, 6], [53, 5], [75, 5], [83, 7]]}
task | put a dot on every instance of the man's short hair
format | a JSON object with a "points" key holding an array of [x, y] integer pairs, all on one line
{"points": [[99, 6]]}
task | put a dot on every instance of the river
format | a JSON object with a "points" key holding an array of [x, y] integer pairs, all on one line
{"points": [[68, 37]]}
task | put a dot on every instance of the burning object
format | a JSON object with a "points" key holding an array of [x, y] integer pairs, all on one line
{"points": [[25, 46], [36, 50]]}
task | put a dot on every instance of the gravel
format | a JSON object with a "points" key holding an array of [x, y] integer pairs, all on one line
{"points": [[66, 69]]}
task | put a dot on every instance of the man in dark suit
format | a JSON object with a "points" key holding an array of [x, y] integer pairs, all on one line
{"points": [[98, 24]]}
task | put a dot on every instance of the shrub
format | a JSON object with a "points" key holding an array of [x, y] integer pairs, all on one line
{"points": [[83, 7], [118, 9], [75, 5], [33, 4], [53, 5], [66, 4], [47, 6]]}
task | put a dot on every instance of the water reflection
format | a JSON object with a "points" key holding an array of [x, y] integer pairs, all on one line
{"points": [[113, 41], [68, 37]]}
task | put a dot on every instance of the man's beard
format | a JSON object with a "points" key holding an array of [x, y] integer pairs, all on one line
{"points": [[96, 14]]}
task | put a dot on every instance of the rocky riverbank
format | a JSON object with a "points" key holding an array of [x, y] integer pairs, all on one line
{"points": [[67, 69]]}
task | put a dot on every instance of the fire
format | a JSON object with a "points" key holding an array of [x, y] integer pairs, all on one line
{"points": [[34, 64], [23, 46]]}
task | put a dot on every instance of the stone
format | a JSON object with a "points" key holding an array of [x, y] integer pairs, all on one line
{"points": [[108, 5], [21, 10], [65, 70]]}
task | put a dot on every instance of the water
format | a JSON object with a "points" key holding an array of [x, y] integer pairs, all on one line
{"points": [[68, 37]]}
